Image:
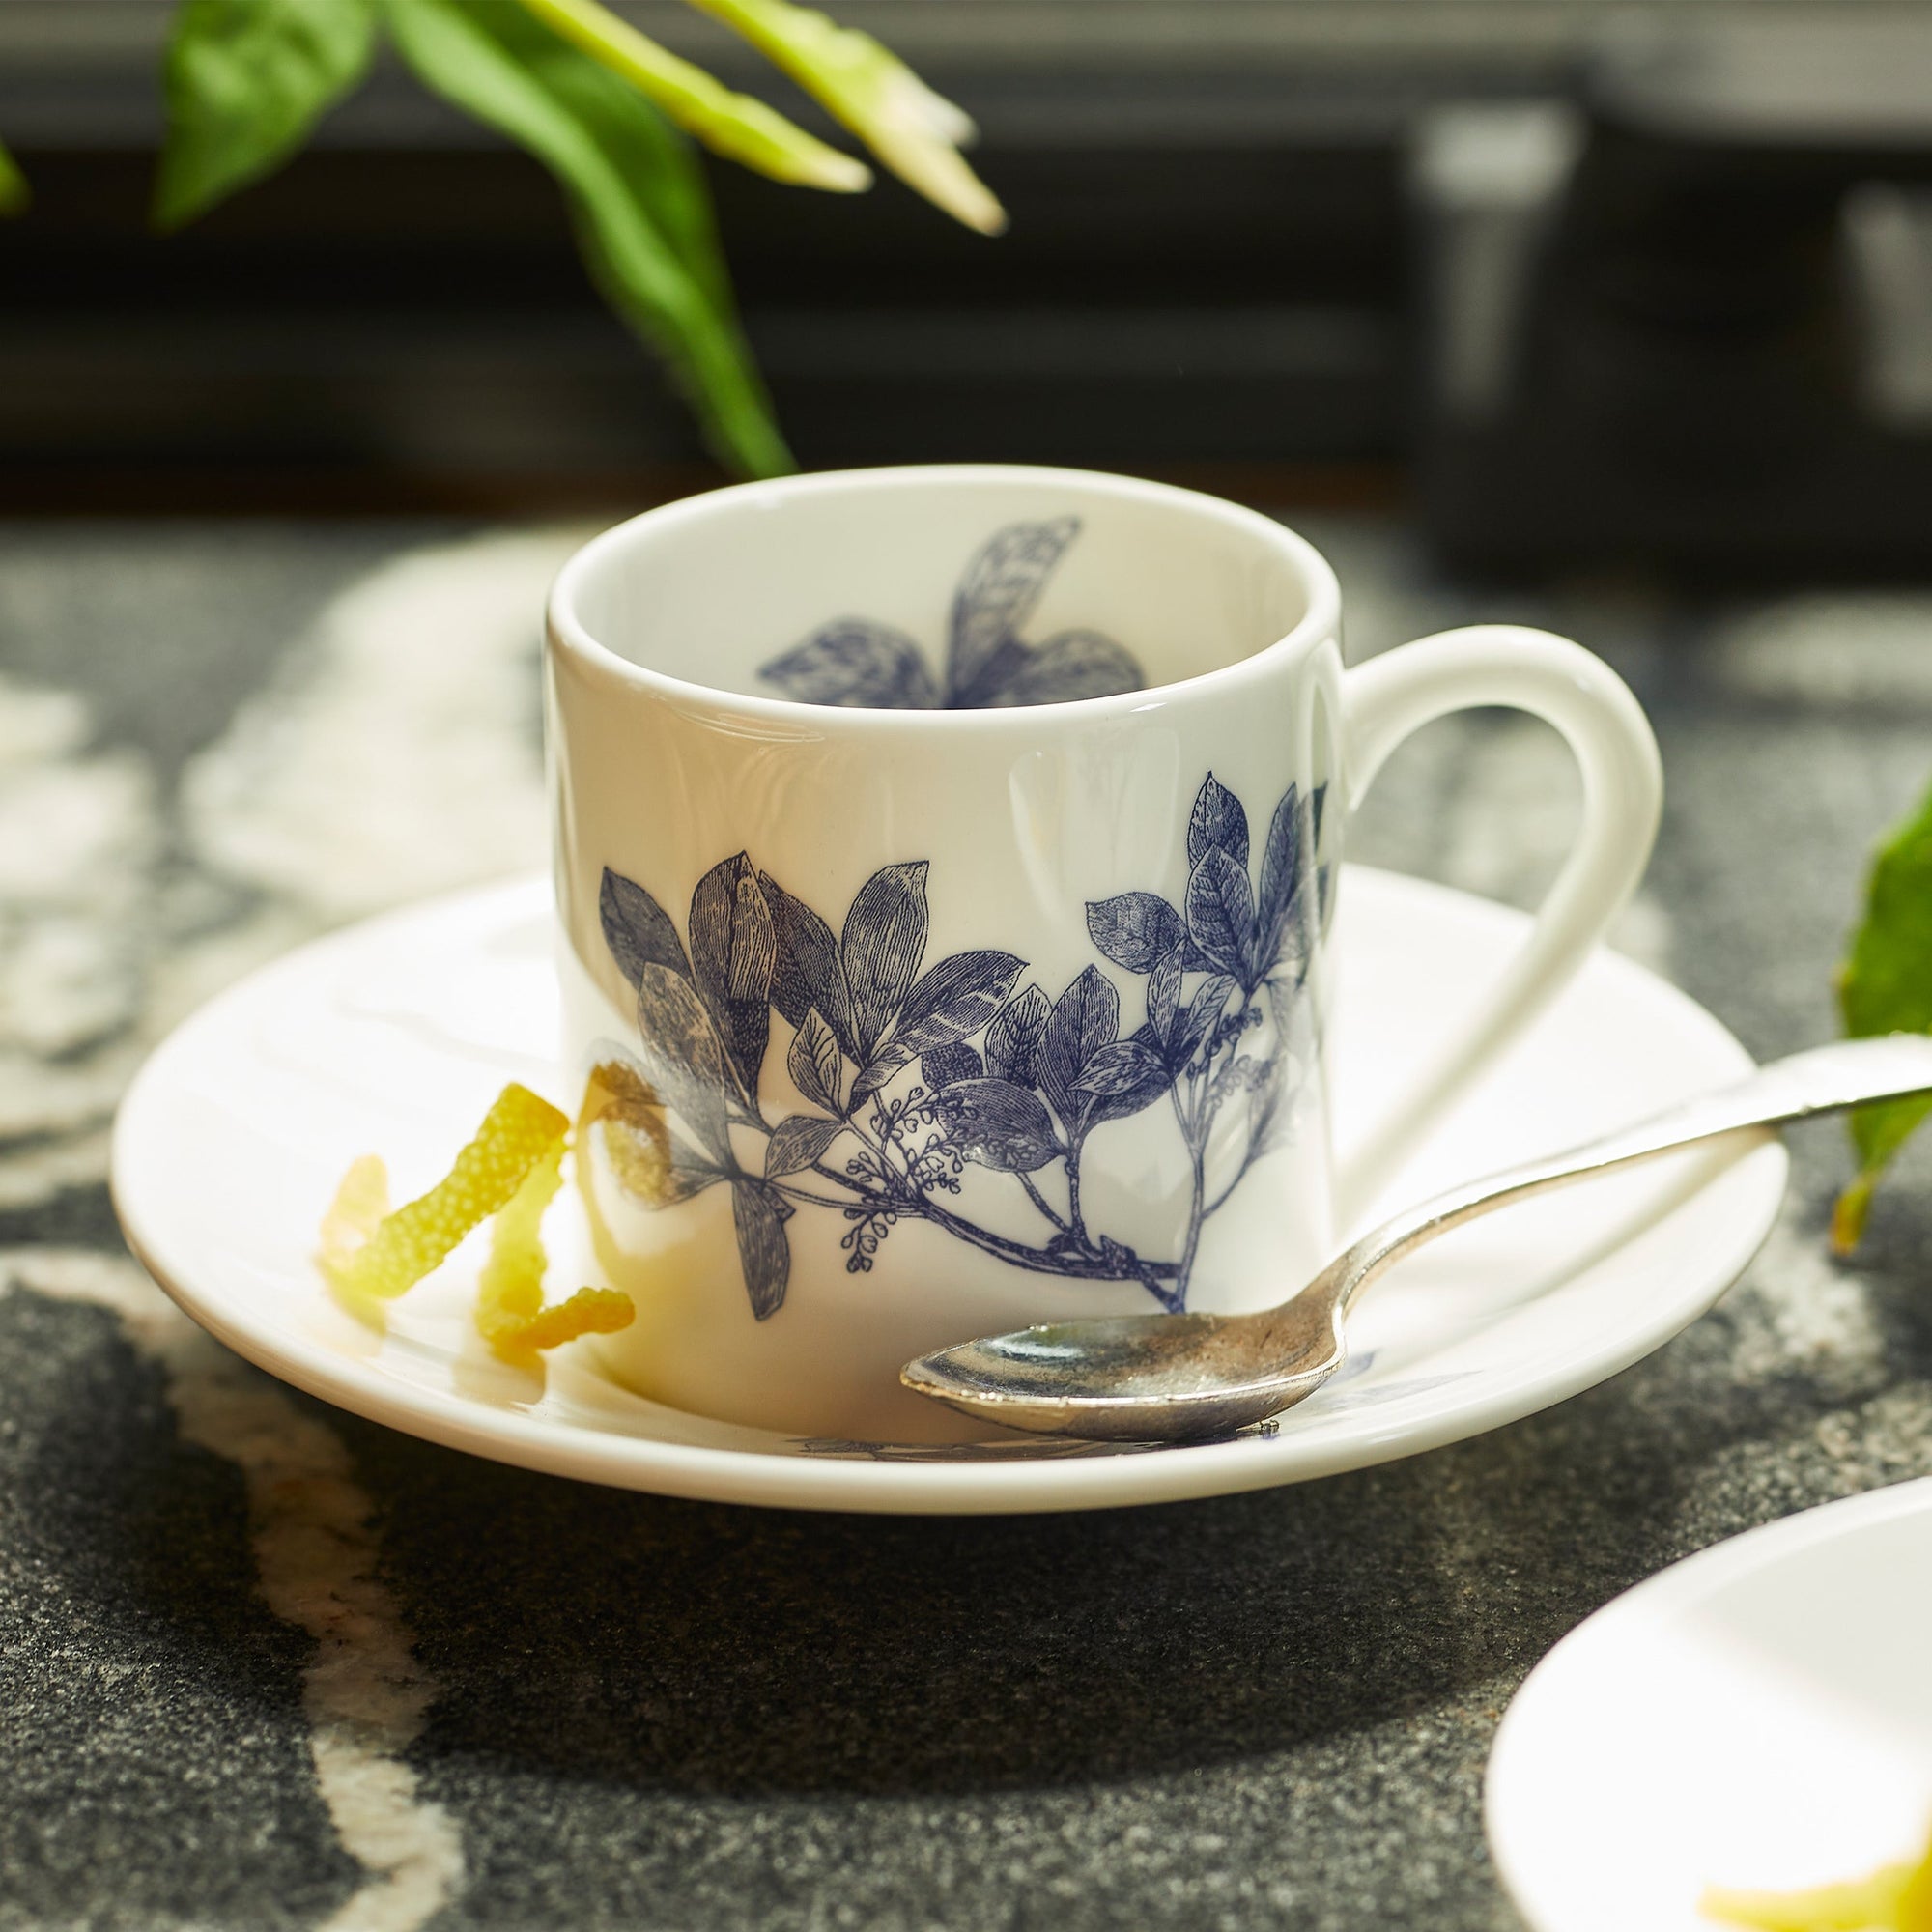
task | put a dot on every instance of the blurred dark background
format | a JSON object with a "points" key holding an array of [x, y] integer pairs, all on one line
{"points": [[1582, 284]]}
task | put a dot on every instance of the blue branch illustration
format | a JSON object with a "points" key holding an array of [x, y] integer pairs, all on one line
{"points": [[912, 1073]]}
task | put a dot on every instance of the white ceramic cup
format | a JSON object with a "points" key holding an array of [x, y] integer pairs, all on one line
{"points": [[945, 859]]}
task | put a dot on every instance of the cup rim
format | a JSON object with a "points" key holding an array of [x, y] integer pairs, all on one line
{"points": [[565, 628]]}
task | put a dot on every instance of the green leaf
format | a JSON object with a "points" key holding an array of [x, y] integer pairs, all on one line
{"points": [[643, 213], [1886, 987], [245, 81], [733, 124], [14, 194], [915, 132]]}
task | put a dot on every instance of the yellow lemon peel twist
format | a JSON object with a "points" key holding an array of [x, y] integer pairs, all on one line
{"points": [[510, 1315], [511, 1169], [356, 1213]]}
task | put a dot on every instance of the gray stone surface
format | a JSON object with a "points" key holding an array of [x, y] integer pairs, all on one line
{"points": [[1265, 1712]]}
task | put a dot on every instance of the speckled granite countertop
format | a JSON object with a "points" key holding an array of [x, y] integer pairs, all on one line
{"points": [[267, 1666]]}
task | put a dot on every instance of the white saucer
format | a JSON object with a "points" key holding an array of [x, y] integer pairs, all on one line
{"points": [[1759, 1717], [393, 1037]]}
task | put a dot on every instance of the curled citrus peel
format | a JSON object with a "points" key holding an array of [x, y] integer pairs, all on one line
{"points": [[511, 1169], [1896, 1899], [510, 1315]]}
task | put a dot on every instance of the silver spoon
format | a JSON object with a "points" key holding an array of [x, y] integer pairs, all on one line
{"points": [[1176, 1378]]}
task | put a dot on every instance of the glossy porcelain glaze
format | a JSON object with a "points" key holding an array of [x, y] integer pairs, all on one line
{"points": [[963, 987], [393, 1037], [1759, 1717]]}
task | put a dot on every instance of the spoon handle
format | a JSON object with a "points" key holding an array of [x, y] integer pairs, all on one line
{"points": [[1821, 1080]]}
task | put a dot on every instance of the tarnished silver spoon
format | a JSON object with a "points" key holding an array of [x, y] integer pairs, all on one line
{"points": [[1178, 1378]]}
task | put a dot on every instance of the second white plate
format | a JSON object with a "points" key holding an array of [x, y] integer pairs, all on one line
{"points": [[1758, 1717], [393, 1037]]}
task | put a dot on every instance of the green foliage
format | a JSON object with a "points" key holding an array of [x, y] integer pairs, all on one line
{"points": [[915, 132], [573, 84], [732, 125], [14, 193], [1886, 987], [246, 80], [643, 213]]}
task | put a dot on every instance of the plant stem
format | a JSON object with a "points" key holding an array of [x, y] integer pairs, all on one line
{"points": [[1040, 1201], [806, 1200], [1195, 1125], [1220, 1200], [1126, 1267], [1173, 1299], [1076, 1142]]}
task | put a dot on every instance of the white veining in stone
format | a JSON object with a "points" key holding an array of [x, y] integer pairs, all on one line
{"points": [[77, 840], [79, 844], [398, 758], [315, 1552], [42, 1169]]}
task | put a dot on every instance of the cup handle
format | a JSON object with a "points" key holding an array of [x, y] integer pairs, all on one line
{"points": [[1384, 701]]}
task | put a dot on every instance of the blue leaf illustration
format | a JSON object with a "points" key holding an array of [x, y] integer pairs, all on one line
{"points": [[733, 945], [682, 1060], [797, 1142], [1144, 1092], [881, 947], [998, 1125], [1074, 665], [1209, 999], [995, 675], [945, 1065], [691, 1172], [733, 950], [813, 1062], [1217, 821], [808, 971], [1324, 871], [1001, 585], [759, 1214], [853, 661], [1281, 879], [858, 661], [1271, 1120], [1134, 930], [1084, 1018], [1127, 1064], [1221, 911], [636, 929], [951, 1003], [1013, 1039], [1163, 1000]]}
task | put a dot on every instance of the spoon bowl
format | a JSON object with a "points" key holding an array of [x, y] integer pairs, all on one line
{"points": [[1135, 1378], [1181, 1377]]}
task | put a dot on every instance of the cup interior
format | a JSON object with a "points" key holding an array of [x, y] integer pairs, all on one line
{"points": [[942, 588]]}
